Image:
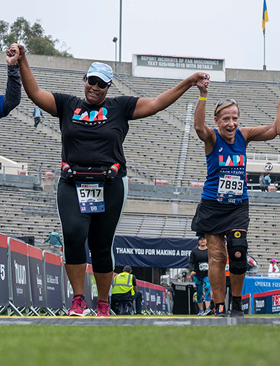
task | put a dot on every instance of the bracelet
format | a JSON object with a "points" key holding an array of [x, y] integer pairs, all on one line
{"points": [[202, 98]]}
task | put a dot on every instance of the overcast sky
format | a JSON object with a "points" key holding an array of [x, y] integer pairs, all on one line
{"points": [[225, 29]]}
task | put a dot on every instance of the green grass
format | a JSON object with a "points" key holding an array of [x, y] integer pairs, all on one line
{"points": [[44, 345]]}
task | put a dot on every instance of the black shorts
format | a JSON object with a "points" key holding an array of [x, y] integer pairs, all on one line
{"points": [[99, 228], [213, 217]]}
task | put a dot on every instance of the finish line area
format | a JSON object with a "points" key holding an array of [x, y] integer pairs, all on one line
{"points": [[137, 320]]}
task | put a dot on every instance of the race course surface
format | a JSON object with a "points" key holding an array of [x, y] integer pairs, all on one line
{"points": [[136, 320]]}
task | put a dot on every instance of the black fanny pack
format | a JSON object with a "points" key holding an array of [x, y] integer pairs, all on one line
{"points": [[86, 174], [90, 174]]}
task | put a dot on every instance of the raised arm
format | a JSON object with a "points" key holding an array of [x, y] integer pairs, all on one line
{"points": [[148, 106], [40, 97], [263, 133], [206, 134], [13, 91]]}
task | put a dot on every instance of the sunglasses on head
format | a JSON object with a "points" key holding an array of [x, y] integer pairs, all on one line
{"points": [[221, 102], [92, 80]]}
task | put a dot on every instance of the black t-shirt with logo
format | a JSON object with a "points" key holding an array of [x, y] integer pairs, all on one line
{"points": [[199, 262], [92, 135]]}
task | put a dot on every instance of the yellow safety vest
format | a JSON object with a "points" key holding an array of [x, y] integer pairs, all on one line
{"points": [[122, 284]]}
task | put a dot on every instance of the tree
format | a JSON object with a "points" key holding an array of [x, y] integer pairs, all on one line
{"points": [[21, 30], [42, 46], [4, 26], [31, 36]]}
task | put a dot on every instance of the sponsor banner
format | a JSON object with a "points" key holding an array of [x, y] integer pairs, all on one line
{"points": [[164, 301], [159, 297], [147, 300], [52, 264], [37, 278], [273, 302], [4, 283], [153, 297], [155, 252], [141, 288], [254, 285], [246, 303], [260, 303], [20, 288], [67, 288], [180, 62], [91, 293], [90, 288]]}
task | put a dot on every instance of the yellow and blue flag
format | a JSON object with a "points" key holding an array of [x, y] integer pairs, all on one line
{"points": [[264, 17]]}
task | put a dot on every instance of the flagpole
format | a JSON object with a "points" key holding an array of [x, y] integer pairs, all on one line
{"points": [[264, 20], [120, 35], [264, 65]]}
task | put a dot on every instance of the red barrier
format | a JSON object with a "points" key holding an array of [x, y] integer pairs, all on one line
{"points": [[4, 282], [20, 284], [37, 277], [39, 280], [52, 264]]}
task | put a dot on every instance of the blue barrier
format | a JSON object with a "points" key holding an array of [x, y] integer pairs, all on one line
{"points": [[259, 285]]}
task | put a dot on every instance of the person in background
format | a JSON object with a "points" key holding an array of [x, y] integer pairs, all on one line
{"points": [[37, 114], [223, 212], [267, 181], [262, 182], [93, 130], [252, 266], [273, 270], [184, 276], [11, 98], [171, 294], [125, 288], [54, 239], [199, 271], [170, 288]]}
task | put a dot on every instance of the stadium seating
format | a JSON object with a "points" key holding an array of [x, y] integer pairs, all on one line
{"points": [[162, 149]]}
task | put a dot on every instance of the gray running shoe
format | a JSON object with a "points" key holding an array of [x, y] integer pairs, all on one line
{"points": [[208, 311]]}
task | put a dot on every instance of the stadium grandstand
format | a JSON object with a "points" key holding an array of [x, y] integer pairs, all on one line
{"points": [[166, 167]]}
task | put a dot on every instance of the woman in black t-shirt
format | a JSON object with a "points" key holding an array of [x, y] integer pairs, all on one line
{"points": [[93, 131], [199, 272]]}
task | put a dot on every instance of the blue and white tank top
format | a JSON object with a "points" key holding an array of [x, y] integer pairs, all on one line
{"points": [[1, 106], [226, 171]]}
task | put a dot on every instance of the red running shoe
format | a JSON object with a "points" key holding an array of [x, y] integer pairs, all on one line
{"points": [[79, 307], [102, 309]]}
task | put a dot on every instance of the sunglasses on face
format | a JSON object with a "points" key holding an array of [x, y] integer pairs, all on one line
{"points": [[92, 80], [221, 102]]}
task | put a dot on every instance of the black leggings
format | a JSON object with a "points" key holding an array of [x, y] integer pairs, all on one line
{"points": [[99, 228]]}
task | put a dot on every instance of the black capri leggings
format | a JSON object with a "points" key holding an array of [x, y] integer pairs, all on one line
{"points": [[99, 228]]}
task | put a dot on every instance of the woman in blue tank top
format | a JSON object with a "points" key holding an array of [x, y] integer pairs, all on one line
{"points": [[223, 213]]}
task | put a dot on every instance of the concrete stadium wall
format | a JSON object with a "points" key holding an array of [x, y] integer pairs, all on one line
{"points": [[259, 166], [153, 207], [253, 75], [126, 67], [71, 63]]}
